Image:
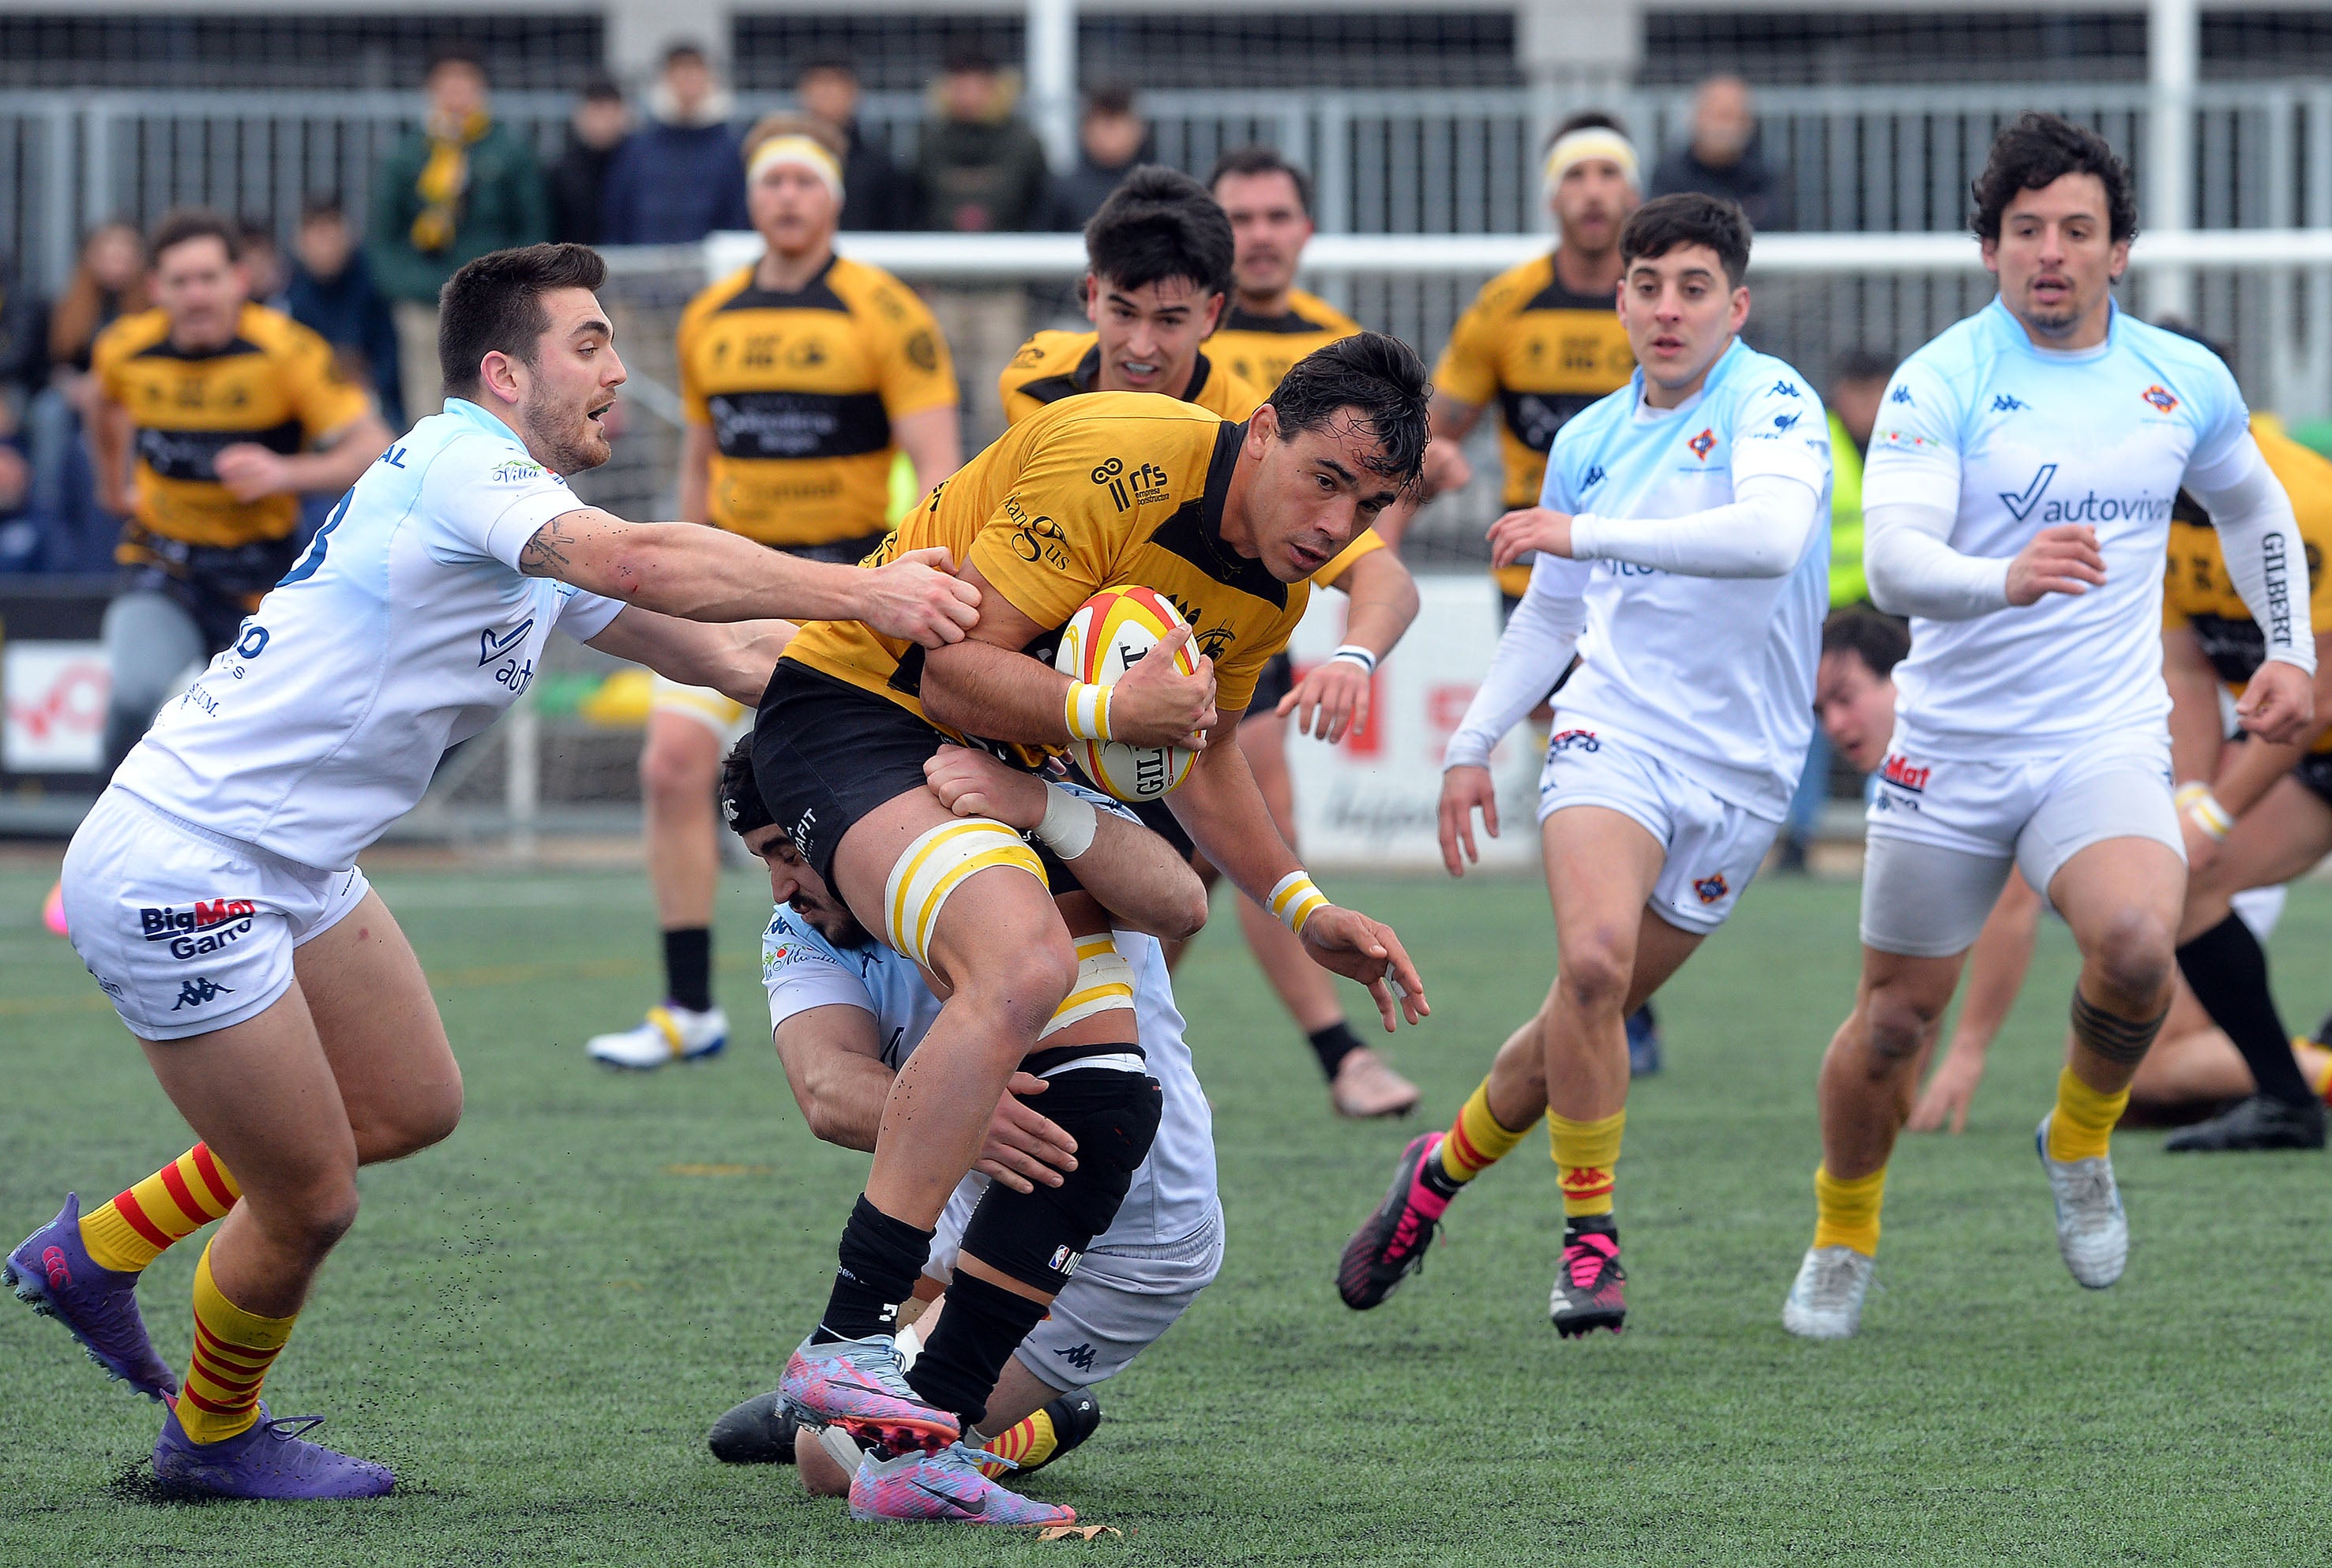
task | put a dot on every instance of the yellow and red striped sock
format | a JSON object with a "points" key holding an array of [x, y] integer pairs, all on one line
{"points": [[1584, 1155], [2315, 1066], [233, 1351], [1477, 1140], [1027, 1443], [164, 1209]]}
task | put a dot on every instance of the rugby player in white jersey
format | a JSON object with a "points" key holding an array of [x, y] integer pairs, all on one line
{"points": [[1684, 554], [846, 1012], [213, 890], [2019, 498]]}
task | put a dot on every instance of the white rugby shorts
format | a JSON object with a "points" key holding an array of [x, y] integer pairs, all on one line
{"points": [[1714, 846], [1118, 1304], [723, 715], [1943, 833], [186, 930]]}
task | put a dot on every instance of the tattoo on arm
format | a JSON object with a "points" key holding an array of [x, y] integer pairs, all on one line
{"points": [[545, 554]]}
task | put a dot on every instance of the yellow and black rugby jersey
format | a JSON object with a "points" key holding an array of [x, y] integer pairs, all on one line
{"points": [[2196, 590], [1052, 365], [800, 390], [275, 383], [1541, 353], [1114, 487], [1260, 348]]}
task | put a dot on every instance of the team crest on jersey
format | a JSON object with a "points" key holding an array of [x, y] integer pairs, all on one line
{"points": [[2159, 398], [1711, 888], [1702, 443]]}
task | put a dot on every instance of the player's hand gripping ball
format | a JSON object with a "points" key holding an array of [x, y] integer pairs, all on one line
{"points": [[1111, 633]]}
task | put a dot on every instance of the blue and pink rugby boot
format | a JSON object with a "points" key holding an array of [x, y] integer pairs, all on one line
{"points": [[945, 1486], [271, 1462], [51, 1271], [857, 1385]]}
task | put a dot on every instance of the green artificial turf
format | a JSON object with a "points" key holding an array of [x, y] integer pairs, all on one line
{"points": [[536, 1322]]}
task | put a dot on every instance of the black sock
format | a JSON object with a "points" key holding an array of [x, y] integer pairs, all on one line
{"points": [[688, 968], [2228, 972], [881, 1258], [1332, 1045], [980, 1328]]}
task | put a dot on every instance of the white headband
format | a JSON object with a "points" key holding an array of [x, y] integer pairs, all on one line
{"points": [[801, 152], [1591, 142]]}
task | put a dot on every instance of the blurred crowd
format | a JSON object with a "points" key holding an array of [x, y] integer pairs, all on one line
{"points": [[659, 166]]}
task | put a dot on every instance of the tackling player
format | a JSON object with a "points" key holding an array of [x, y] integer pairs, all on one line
{"points": [[848, 1013], [2018, 500], [1683, 553], [1161, 255], [802, 377], [213, 890], [1227, 520], [218, 415]]}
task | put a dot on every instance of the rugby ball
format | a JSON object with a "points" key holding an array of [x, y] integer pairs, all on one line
{"points": [[1112, 631]]}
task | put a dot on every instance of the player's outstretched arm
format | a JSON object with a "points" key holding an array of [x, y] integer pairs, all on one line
{"points": [[1332, 697], [1130, 871], [735, 658], [708, 574], [1761, 532], [833, 1058], [1224, 812], [1913, 570]]}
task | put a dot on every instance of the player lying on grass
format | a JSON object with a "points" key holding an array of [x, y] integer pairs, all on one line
{"points": [[2019, 497], [2194, 1064], [1680, 552], [1227, 521], [848, 1013], [213, 890]]}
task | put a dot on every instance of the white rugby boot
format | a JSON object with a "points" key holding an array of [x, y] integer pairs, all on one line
{"points": [[2092, 1231], [1825, 1301], [670, 1033]]}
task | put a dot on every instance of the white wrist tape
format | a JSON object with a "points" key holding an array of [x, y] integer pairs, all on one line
{"points": [[934, 865], [1357, 654], [1086, 711], [1069, 822], [1294, 901], [2197, 802]]}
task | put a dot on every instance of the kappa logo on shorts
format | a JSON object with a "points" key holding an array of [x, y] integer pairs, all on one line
{"points": [[1079, 1356], [1711, 888], [203, 926], [1564, 740], [1905, 774], [200, 992]]}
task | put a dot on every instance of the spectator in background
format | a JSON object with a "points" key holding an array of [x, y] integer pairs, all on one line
{"points": [[1724, 158], [979, 168], [579, 180], [332, 294], [262, 262], [1858, 380], [1111, 139], [459, 185], [109, 282], [680, 177], [874, 194]]}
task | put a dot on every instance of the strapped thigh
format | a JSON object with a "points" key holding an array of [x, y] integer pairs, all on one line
{"points": [[934, 866]]}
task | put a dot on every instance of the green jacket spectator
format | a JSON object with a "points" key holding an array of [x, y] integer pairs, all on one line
{"points": [[501, 204]]}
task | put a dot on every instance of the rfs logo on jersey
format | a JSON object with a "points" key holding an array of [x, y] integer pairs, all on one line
{"points": [[2159, 398], [1711, 888], [1904, 774], [1702, 443]]}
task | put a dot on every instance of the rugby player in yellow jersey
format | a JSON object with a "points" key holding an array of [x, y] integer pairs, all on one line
{"points": [[1543, 341], [213, 416], [1227, 521], [1271, 322], [803, 377], [1160, 257]]}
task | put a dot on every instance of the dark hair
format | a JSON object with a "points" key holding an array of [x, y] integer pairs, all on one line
{"points": [[1380, 380], [1861, 365], [1255, 160], [2039, 149], [1161, 223], [834, 64], [494, 304], [968, 58], [321, 205], [742, 805], [180, 224], [602, 90], [446, 55], [1881, 642], [1689, 219], [253, 231], [1112, 99], [685, 49], [1585, 120], [2194, 334]]}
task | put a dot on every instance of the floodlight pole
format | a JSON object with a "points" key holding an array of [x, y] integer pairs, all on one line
{"points": [[2174, 51], [1052, 72]]}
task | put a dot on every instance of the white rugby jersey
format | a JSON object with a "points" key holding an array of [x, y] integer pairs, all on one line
{"points": [[1717, 671], [405, 628], [2013, 438], [1173, 1193]]}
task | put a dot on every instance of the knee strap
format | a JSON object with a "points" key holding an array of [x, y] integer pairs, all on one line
{"points": [[1039, 1238], [935, 865], [1104, 981]]}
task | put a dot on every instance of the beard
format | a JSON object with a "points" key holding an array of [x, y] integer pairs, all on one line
{"points": [[565, 437]]}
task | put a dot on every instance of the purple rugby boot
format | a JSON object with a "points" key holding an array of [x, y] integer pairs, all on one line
{"points": [[856, 1385], [945, 1486], [271, 1462], [53, 1273]]}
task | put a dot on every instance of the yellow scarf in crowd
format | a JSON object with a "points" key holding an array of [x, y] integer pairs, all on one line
{"points": [[443, 178]]}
